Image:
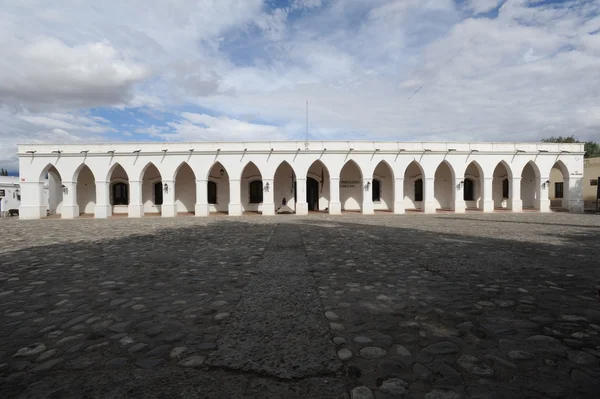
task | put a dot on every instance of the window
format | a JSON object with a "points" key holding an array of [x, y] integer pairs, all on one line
{"points": [[376, 190], [120, 194], [158, 193], [419, 190], [558, 190], [505, 188], [212, 192], [256, 192], [469, 188]]}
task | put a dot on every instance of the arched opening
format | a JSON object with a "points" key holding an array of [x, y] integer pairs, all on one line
{"points": [[558, 190], [252, 189], [443, 189], [351, 187], [317, 187], [86, 191], [284, 188], [383, 188], [218, 189], [530, 187], [119, 190], [185, 189], [473, 187], [152, 190], [501, 186], [413, 187], [55, 189]]}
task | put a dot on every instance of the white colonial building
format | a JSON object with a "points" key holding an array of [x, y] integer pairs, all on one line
{"points": [[237, 177]]}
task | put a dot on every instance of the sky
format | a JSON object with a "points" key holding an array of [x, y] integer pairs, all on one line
{"points": [[77, 71]]}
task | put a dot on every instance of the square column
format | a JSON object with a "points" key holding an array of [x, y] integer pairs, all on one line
{"points": [[301, 204], [399, 207], [488, 194], [367, 200], [429, 203], [268, 205], [201, 207], [135, 208], [335, 207], [102, 210], [168, 207], [543, 202], [32, 200], [515, 203], [70, 209], [235, 197], [459, 195], [574, 194]]}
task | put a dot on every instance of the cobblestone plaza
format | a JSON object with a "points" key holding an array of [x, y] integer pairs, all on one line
{"points": [[478, 305]]}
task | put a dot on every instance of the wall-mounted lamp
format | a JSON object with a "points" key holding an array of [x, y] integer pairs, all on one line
{"points": [[222, 172], [166, 188], [267, 187], [65, 189], [460, 185], [368, 186], [546, 183]]}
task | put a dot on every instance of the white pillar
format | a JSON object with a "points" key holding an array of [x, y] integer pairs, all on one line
{"points": [[235, 197], [575, 194], [136, 207], [399, 206], [102, 210], [515, 203], [566, 192], [542, 200], [367, 199], [70, 209], [168, 207], [301, 204], [459, 195], [33, 204], [268, 205], [488, 194], [201, 207], [429, 205], [335, 206]]}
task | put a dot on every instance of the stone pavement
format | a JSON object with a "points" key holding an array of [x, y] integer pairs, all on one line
{"points": [[413, 306]]}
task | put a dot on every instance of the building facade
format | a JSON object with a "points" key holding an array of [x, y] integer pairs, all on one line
{"points": [[237, 177], [10, 196], [590, 185]]}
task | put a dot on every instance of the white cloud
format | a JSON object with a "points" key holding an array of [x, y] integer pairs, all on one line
{"points": [[483, 6]]}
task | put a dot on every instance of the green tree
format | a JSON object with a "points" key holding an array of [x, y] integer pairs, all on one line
{"points": [[3, 172], [592, 148]]}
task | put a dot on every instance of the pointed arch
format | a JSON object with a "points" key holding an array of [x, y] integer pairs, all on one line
{"points": [[48, 168], [382, 187], [250, 170], [443, 186], [152, 189], [86, 189], [502, 178], [559, 187], [533, 165], [530, 185], [473, 186], [251, 188], [351, 186], [55, 188], [318, 186], [122, 172], [149, 165], [185, 188], [351, 163], [177, 169], [284, 186], [414, 176], [217, 188]]}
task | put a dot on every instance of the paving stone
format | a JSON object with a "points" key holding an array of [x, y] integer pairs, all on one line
{"points": [[520, 355], [372, 352], [394, 386], [545, 343], [441, 394], [30, 350], [178, 351], [331, 316], [117, 363], [361, 393], [158, 351], [402, 351], [149, 363], [121, 327], [585, 382], [475, 366], [582, 358], [339, 340], [137, 347], [421, 372], [46, 355], [362, 339], [48, 365], [193, 361], [441, 348], [80, 363], [344, 354]]}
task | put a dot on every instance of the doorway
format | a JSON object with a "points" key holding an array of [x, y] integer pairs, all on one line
{"points": [[312, 194]]}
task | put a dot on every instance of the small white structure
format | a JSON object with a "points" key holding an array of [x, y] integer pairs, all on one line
{"points": [[237, 177], [10, 196]]}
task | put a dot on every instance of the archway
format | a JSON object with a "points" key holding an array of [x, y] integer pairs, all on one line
{"points": [[152, 190], [317, 187], [351, 187], [284, 187], [86, 190], [218, 189], [473, 187], [413, 187], [443, 189], [252, 189], [530, 186], [501, 186], [382, 189], [558, 190], [53, 182], [185, 189], [119, 190]]}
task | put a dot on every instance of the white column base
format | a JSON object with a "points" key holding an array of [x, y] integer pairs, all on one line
{"points": [[69, 211], [27, 212], [102, 211], [488, 206], [235, 209], [459, 207], [335, 208], [201, 210], [168, 211], [399, 208], [135, 211], [429, 207], [367, 208], [302, 208], [268, 209], [544, 205], [576, 206], [515, 205]]}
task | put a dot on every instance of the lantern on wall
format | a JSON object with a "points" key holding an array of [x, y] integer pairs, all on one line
{"points": [[166, 188], [267, 187]]}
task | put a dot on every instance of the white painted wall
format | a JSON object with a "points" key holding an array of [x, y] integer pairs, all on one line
{"points": [[86, 191], [284, 186], [384, 175], [55, 193], [444, 187], [412, 174], [10, 200], [472, 172], [151, 176], [250, 174], [185, 189], [500, 173], [529, 191], [118, 175], [351, 187], [319, 172], [222, 188]]}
